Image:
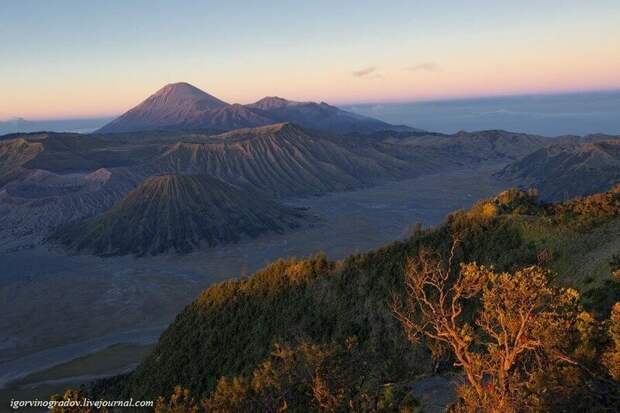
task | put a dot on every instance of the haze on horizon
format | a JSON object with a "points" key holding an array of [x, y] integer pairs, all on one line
{"points": [[85, 59]]}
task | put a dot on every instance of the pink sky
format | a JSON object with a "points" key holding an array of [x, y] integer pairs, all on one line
{"points": [[103, 59]]}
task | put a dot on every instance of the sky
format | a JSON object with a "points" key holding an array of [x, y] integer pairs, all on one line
{"points": [[63, 59]]}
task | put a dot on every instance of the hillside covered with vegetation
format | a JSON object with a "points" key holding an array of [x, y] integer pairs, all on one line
{"points": [[314, 334]]}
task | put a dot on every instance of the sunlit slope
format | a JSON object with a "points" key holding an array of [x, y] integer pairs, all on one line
{"points": [[232, 325]]}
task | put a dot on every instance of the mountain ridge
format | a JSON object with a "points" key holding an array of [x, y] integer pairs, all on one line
{"points": [[45, 178], [181, 106], [568, 170]]}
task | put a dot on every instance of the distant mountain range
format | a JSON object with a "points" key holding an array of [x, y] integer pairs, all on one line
{"points": [[21, 125], [292, 149], [181, 106], [49, 180]]}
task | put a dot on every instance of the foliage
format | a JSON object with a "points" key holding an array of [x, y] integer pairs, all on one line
{"points": [[605, 295], [217, 343], [304, 378], [614, 263], [73, 396], [311, 377], [612, 355], [510, 201], [523, 326], [179, 402], [231, 327], [583, 213]]}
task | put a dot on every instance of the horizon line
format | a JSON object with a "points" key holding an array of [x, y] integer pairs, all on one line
{"points": [[350, 103]]}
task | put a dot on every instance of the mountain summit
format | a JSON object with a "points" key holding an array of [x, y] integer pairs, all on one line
{"points": [[319, 116], [274, 102], [181, 106], [181, 94]]}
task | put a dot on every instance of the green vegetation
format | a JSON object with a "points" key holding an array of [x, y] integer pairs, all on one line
{"points": [[612, 355], [229, 332], [302, 378], [528, 346]]}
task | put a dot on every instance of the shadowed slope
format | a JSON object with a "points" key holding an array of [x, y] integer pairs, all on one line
{"points": [[181, 106], [281, 159], [319, 116], [178, 213], [481, 145], [564, 171], [45, 177]]}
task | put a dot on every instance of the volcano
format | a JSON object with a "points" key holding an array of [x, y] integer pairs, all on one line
{"points": [[177, 213]]}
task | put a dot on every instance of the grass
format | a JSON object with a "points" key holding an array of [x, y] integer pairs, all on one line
{"points": [[579, 258]]}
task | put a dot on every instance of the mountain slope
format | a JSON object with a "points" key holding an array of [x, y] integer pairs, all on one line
{"points": [[319, 116], [280, 159], [45, 178], [232, 326], [49, 179], [479, 146], [181, 106], [43, 201], [563, 171], [178, 213], [14, 154]]}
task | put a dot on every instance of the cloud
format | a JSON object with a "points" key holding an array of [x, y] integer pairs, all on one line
{"points": [[424, 67], [365, 72]]}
